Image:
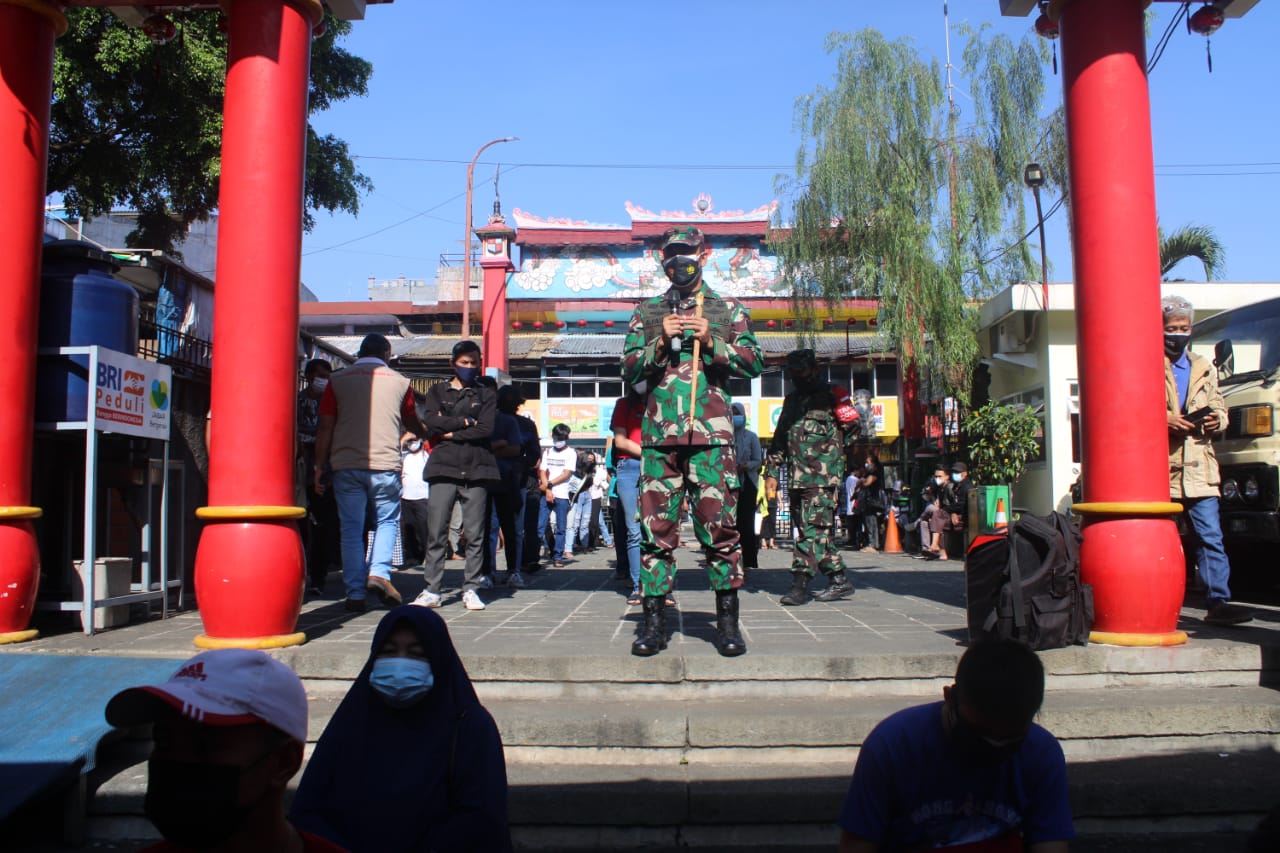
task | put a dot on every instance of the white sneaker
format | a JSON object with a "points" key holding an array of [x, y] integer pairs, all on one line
{"points": [[426, 598], [471, 600], [516, 580]]}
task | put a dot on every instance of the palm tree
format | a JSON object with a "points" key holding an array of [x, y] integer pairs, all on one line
{"points": [[1192, 241]]}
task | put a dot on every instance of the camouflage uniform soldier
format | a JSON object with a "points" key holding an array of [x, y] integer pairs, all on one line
{"points": [[809, 432], [684, 452]]}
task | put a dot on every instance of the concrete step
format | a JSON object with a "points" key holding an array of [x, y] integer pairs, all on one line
{"points": [[701, 674], [1090, 724]]}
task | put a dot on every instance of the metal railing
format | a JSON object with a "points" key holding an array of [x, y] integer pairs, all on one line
{"points": [[183, 352]]}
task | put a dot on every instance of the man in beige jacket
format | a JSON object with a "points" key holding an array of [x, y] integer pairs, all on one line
{"points": [[1196, 413]]}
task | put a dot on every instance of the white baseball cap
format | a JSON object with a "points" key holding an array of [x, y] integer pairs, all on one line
{"points": [[223, 687]]}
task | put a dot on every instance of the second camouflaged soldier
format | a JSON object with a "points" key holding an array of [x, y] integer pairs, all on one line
{"points": [[688, 451], [814, 439]]}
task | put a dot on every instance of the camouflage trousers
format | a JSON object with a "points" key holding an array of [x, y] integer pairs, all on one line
{"points": [[813, 512], [703, 475]]}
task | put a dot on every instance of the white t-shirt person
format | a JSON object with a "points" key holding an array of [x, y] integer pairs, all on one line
{"points": [[555, 463]]}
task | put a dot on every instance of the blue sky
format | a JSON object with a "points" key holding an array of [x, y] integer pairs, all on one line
{"points": [[617, 102]]}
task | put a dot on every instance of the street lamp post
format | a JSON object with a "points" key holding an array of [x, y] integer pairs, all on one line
{"points": [[466, 238], [1033, 176]]}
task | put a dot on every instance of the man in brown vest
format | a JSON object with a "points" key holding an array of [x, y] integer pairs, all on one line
{"points": [[364, 411]]}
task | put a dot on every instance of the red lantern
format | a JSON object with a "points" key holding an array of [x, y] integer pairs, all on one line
{"points": [[1046, 28], [537, 324], [873, 322], [581, 323], [788, 323], [559, 324], [851, 322], [516, 324], [772, 324], [159, 29], [608, 324], [827, 322], [1206, 20]]}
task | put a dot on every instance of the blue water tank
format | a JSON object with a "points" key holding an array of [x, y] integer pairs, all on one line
{"points": [[80, 305]]}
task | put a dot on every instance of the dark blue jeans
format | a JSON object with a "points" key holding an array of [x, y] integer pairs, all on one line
{"points": [[1211, 557]]}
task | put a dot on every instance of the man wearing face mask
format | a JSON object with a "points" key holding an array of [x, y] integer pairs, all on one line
{"points": [[687, 435], [414, 494], [229, 729], [554, 472], [442, 786], [364, 411], [459, 418], [1196, 413], [320, 529], [815, 442], [971, 772]]}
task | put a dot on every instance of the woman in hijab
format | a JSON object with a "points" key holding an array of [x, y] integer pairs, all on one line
{"points": [[410, 760]]}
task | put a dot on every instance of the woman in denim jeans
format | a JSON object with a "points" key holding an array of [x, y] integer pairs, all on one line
{"points": [[627, 414]]}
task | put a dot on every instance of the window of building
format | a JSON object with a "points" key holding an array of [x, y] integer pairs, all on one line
{"points": [[584, 381], [739, 388], [1033, 399], [886, 380], [528, 381]]}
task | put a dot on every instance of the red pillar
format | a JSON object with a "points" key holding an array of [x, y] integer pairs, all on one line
{"points": [[27, 32], [1131, 553], [495, 260], [249, 565]]}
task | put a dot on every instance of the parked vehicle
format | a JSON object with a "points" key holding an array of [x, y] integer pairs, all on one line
{"points": [[1244, 344]]}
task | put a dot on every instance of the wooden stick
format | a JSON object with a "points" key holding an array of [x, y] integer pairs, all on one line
{"points": [[697, 357]]}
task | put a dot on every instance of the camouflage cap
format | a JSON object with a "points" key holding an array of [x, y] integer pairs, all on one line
{"points": [[801, 359], [683, 235]]}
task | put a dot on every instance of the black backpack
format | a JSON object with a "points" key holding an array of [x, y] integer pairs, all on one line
{"points": [[1031, 592]]}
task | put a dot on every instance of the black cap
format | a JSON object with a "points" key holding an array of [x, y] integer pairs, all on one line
{"points": [[960, 468]]}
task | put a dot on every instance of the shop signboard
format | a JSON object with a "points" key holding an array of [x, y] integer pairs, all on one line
{"points": [[132, 396]]}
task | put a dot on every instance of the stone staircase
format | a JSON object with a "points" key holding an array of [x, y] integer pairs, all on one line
{"points": [[1167, 747]]}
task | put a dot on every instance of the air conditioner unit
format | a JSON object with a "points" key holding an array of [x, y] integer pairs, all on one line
{"points": [[1010, 335]]}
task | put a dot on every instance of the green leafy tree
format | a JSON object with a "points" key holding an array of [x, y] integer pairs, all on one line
{"points": [[139, 125], [1192, 241], [1002, 440], [897, 196]]}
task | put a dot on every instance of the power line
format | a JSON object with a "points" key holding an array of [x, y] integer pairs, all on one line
{"points": [[659, 166]]}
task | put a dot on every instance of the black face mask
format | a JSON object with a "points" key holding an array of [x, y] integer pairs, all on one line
{"points": [[194, 804], [976, 749], [1174, 344], [682, 270]]}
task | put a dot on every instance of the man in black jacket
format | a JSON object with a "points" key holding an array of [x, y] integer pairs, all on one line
{"points": [[459, 418]]}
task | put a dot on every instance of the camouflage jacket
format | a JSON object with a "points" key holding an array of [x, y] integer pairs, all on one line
{"points": [[809, 434], [733, 352]]}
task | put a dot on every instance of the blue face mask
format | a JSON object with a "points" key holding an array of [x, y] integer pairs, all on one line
{"points": [[739, 421], [401, 682], [955, 478], [467, 375]]}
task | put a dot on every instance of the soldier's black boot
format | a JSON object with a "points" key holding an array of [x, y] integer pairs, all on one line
{"points": [[729, 640], [838, 587], [799, 593], [653, 634]]}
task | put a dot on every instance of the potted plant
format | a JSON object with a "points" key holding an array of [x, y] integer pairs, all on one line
{"points": [[1002, 440]]}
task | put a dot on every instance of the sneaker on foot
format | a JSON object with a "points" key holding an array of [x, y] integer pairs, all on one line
{"points": [[485, 582], [1224, 613], [471, 600], [426, 598], [355, 605], [516, 581]]}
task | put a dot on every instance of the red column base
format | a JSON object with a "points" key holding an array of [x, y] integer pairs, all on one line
{"points": [[249, 584], [1138, 574], [19, 579]]}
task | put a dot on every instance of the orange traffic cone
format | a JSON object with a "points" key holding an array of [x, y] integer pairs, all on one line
{"points": [[892, 545], [1002, 517]]}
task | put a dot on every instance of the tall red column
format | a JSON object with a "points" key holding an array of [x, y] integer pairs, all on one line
{"points": [[495, 260], [27, 32], [1131, 553], [249, 564]]}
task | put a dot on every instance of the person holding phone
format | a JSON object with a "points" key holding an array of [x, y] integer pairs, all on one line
{"points": [[1196, 412]]}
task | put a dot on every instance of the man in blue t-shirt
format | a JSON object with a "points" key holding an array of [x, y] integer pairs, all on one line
{"points": [[970, 773]]}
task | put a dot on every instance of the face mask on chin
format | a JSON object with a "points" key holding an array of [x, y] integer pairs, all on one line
{"points": [[193, 804]]}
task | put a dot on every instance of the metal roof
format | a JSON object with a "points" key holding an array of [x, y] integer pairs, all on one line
{"points": [[586, 344], [350, 344]]}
